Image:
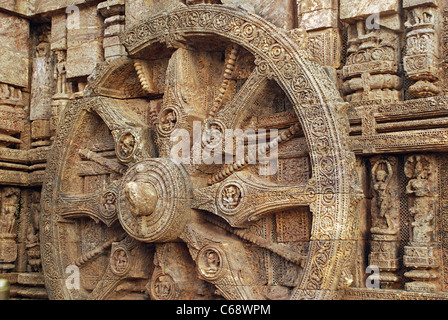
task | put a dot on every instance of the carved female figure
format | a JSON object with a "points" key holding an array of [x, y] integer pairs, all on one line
{"points": [[61, 72], [418, 168], [381, 175]]}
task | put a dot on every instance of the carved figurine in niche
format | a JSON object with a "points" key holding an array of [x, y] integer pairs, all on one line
{"points": [[168, 121], [126, 145], [231, 197], [9, 210], [212, 263], [120, 261], [60, 72], [8, 218], [418, 169], [43, 48], [385, 215], [32, 238], [7, 222], [163, 287], [109, 203], [33, 249]]}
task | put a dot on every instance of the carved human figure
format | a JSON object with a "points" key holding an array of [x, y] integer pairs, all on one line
{"points": [[127, 145], [212, 262], [60, 72], [9, 210], [231, 197], [418, 168], [163, 287], [381, 175], [120, 260], [168, 121], [32, 237], [109, 203], [7, 222], [42, 49], [212, 136]]}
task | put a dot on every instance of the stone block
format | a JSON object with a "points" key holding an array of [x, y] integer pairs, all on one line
{"points": [[278, 12], [14, 50], [351, 9], [8, 4], [414, 3], [59, 32], [324, 18], [111, 8], [40, 129], [140, 9], [85, 44], [312, 5]]}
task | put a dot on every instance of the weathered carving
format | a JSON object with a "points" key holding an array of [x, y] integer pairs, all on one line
{"points": [[385, 220], [8, 217], [421, 61], [118, 86], [154, 195], [384, 211], [421, 254], [371, 64]]}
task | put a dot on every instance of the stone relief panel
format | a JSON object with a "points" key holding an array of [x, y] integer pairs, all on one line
{"points": [[92, 125]]}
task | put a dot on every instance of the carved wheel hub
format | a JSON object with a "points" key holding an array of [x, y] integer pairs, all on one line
{"points": [[134, 221], [154, 200]]}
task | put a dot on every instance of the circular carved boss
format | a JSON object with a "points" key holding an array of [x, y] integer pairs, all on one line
{"points": [[153, 203]]}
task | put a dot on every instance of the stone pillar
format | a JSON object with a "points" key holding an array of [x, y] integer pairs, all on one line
{"points": [[421, 61], [385, 221], [41, 90], [444, 45], [62, 87], [113, 12], [8, 225], [32, 231], [12, 115], [320, 19], [84, 47], [421, 255], [14, 78], [373, 50]]}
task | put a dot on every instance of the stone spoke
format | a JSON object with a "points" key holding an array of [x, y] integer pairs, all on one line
{"points": [[242, 198], [99, 206]]}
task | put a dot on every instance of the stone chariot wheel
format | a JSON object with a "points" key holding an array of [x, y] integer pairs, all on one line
{"points": [[130, 221]]}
